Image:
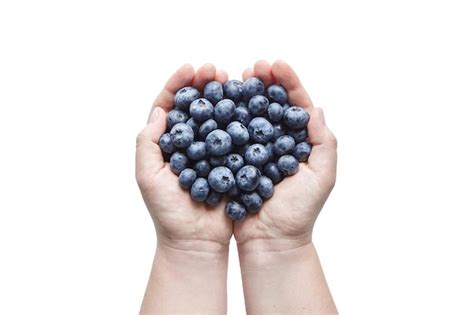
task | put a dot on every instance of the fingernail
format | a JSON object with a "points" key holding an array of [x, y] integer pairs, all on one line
{"points": [[154, 115]]}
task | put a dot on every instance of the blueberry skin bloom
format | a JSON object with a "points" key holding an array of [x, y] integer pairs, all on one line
{"points": [[176, 116], [302, 151], [196, 151], [221, 179], [187, 178], [299, 135], [182, 135], [277, 93], [218, 142], [257, 154], [258, 105], [224, 110], [234, 162], [213, 198], [288, 165], [251, 87], [260, 130], [206, 127], [284, 145], [235, 210], [200, 189], [185, 96], [233, 90], [213, 91], [242, 114], [295, 117], [273, 172], [252, 202], [178, 162], [238, 132], [202, 168], [166, 144], [201, 109], [265, 188], [248, 177], [275, 112]]}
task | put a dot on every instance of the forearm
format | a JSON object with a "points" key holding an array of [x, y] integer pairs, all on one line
{"points": [[284, 281], [187, 282]]}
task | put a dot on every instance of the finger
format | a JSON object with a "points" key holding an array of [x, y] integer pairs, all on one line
{"points": [[247, 74], [221, 76], [263, 71], [203, 75], [149, 160], [182, 77], [287, 77]]}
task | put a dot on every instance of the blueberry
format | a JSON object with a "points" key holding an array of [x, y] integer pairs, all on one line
{"points": [[224, 110], [242, 114], [185, 96], [258, 105], [178, 162], [241, 104], [181, 135], [248, 177], [166, 144], [234, 191], [265, 188], [260, 130], [187, 178], [273, 172], [200, 189], [218, 142], [234, 162], [295, 117], [279, 130], [191, 122], [299, 135], [271, 154], [221, 179], [233, 90], [256, 155], [213, 91], [218, 160], [176, 116], [302, 151], [201, 109], [202, 168], [235, 210], [252, 202], [283, 145], [275, 112], [288, 165], [196, 151], [251, 87], [206, 127], [277, 93], [238, 132], [213, 198]]}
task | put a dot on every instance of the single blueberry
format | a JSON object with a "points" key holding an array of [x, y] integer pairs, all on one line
{"points": [[279, 130], [233, 90], [299, 135], [187, 177], [213, 91], [288, 165], [224, 110], [242, 114], [260, 130], [302, 151], [200, 189], [271, 154], [218, 142], [201, 109], [238, 132], [191, 122], [258, 105], [185, 96], [251, 87], [256, 155], [182, 135], [202, 168], [178, 162], [176, 116], [248, 177], [275, 112], [277, 93], [214, 198], [218, 160], [265, 188], [221, 179], [206, 127], [234, 162], [295, 117], [252, 202], [235, 210], [273, 172], [234, 191], [197, 150], [283, 145], [166, 144]]}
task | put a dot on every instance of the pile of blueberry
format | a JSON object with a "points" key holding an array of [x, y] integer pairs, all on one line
{"points": [[239, 139]]}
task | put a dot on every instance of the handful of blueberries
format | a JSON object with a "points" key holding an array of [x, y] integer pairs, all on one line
{"points": [[239, 139]]}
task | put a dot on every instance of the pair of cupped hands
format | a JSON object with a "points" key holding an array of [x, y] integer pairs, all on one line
{"points": [[285, 221]]}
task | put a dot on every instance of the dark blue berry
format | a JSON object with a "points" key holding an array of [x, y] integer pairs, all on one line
{"points": [[187, 177], [252, 202], [275, 112], [213, 91], [277, 93], [176, 116], [260, 130], [295, 117], [181, 135], [302, 151], [258, 105], [194, 125], [202, 168], [251, 87], [233, 90], [218, 142], [178, 162], [196, 151], [265, 188], [299, 135], [242, 114], [201, 109], [185, 96], [238, 132], [256, 155], [235, 210], [248, 178], [221, 179], [206, 127], [288, 165], [214, 198], [166, 144], [223, 111], [283, 145], [200, 189], [272, 171], [234, 162]]}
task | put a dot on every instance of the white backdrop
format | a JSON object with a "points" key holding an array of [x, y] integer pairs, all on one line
{"points": [[395, 79]]}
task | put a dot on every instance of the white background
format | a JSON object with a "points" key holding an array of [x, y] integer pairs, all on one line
{"points": [[396, 81]]}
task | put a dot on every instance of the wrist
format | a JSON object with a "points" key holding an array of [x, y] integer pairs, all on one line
{"points": [[268, 245]]}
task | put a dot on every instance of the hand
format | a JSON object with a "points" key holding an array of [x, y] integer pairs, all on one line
{"points": [[286, 220], [180, 222]]}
